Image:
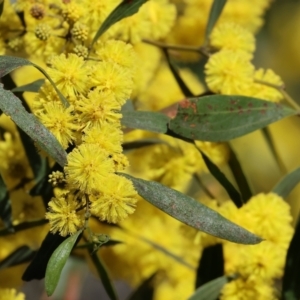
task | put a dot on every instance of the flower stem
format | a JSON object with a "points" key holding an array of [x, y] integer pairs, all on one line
{"points": [[282, 90], [201, 50]]}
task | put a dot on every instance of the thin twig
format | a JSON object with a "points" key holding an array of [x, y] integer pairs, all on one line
{"points": [[203, 187], [282, 90], [201, 50]]}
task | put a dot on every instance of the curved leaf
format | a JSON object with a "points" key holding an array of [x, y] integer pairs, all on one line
{"points": [[291, 277], [57, 262], [287, 183], [183, 87], [141, 143], [222, 179], [13, 107], [37, 268], [210, 290], [211, 264], [125, 9], [191, 212], [105, 278], [239, 176], [37, 162], [5, 206], [214, 14], [221, 118], [145, 290], [1, 7], [30, 87], [19, 256], [10, 63], [146, 120], [166, 252]]}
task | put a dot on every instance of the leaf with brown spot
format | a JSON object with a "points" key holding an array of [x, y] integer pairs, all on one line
{"points": [[221, 118]]}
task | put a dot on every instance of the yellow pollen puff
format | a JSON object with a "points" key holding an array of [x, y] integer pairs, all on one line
{"points": [[62, 215], [88, 167], [70, 74], [232, 36], [118, 52], [261, 86], [60, 121], [108, 137], [229, 72], [112, 79], [98, 108], [116, 200]]}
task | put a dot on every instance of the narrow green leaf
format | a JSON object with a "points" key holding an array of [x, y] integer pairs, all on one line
{"points": [[110, 243], [222, 118], [191, 212], [184, 88], [211, 265], [145, 291], [10, 63], [13, 107], [239, 176], [222, 179], [37, 162], [146, 120], [57, 262], [287, 183], [1, 7], [37, 268], [269, 140], [214, 14], [125, 9], [103, 274], [210, 290], [30, 87], [5, 206], [167, 252], [141, 144], [291, 277], [20, 255]]}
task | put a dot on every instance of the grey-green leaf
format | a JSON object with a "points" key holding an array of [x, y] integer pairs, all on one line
{"points": [[58, 261], [146, 120], [215, 12], [287, 183], [1, 7], [10, 63], [222, 118], [210, 290], [191, 212], [30, 87], [104, 275], [125, 9], [13, 107], [5, 206]]}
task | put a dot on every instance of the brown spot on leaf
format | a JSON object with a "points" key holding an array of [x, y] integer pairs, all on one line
{"points": [[188, 104]]}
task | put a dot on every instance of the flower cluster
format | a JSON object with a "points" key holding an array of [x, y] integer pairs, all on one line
{"points": [[267, 215], [229, 70]]}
